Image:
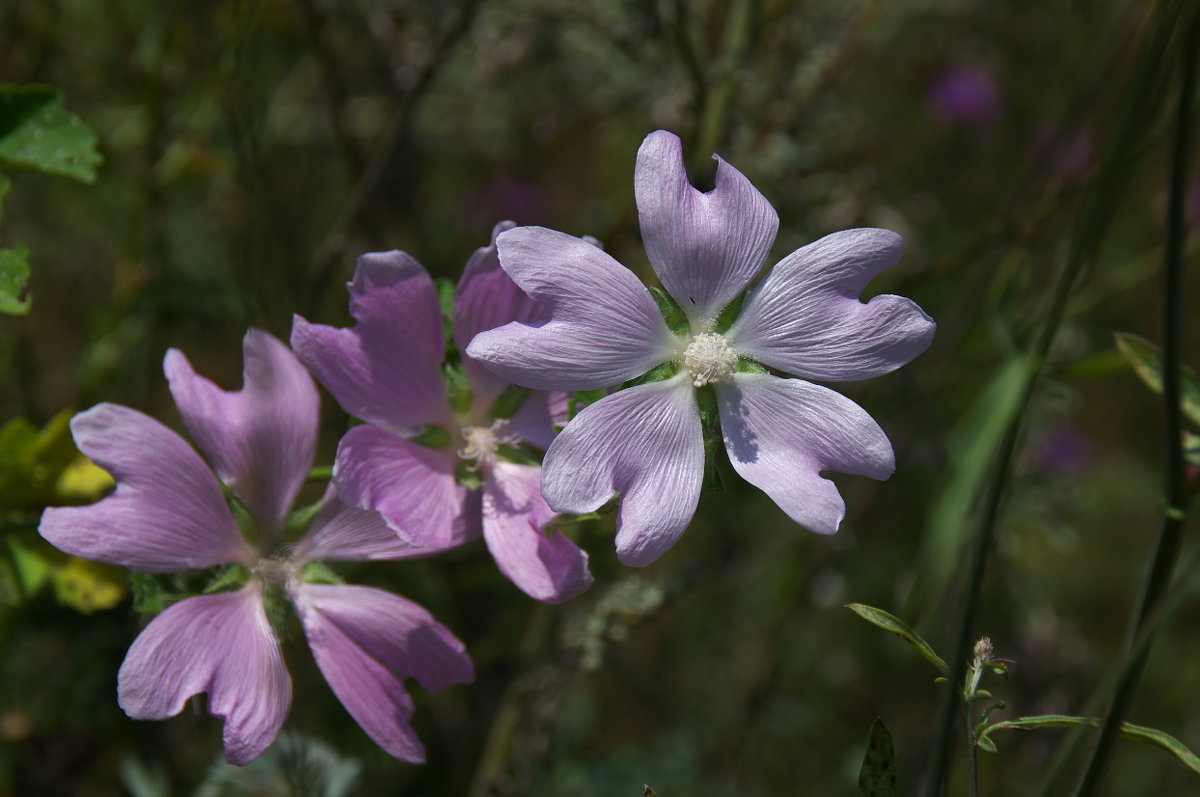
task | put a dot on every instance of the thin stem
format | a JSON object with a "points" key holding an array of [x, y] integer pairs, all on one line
{"points": [[1142, 100], [972, 753], [1171, 536]]}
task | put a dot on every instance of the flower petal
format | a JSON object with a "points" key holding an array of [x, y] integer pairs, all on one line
{"points": [[487, 298], [535, 421], [705, 247], [780, 433], [547, 568], [600, 328], [366, 642], [412, 486], [805, 317], [220, 644], [168, 512], [386, 369], [341, 531], [644, 441], [260, 439]]}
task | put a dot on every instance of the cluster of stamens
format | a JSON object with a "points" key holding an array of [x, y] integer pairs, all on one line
{"points": [[483, 442], [275, 571], [709, 359]]}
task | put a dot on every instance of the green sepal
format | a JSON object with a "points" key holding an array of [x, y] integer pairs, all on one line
{"points": [[468, 475], [672, 313], [445, 292], [320, 573], [516, 454], [659, 373], [228, 578], [748, 366], [507, 404], [458, 388], [581, 399], [278, 608], [1146, 360], [150, 595], [245, 521], [877, 776], [299, 520], [729, 314], [433, 437], [881, 619]]}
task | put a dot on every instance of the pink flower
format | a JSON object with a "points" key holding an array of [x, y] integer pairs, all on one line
{"points": [[169, 513], [388, 371], [602, 327]]}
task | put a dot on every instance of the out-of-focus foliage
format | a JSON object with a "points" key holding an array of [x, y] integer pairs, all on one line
{"points": [[253, 149]]}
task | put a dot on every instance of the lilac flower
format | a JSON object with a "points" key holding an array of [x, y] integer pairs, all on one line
{"points": [[387, 370], [646, 442], [966, 95], [169, 513]]}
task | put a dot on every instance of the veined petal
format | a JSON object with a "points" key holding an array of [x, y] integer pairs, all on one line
{"points": [[260, 439], [487, 298], [780, 433], [366, 642], [412, 486], [644, 441], [168, 512], [547, 568], [805, 317], [341, 531], [386, 369], [705, 247], [535, 421], [220, 644], [600, 325]]}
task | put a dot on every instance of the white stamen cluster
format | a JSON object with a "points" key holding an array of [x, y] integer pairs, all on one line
{"points": [[276, 571], [708, 359], [483, 442]]}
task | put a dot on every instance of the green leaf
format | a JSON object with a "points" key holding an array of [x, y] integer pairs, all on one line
{"points": [[1146, 360], [877, 777], [37, 133], [1137, 733], [748, 366], [987, 744], [671, 312], [14, 273], [4, 185], [887, 622]]}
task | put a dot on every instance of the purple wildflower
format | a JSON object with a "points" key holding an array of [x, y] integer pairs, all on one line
{"points": [[966, 95], [169, 513], [603, 327], [387, 370]]}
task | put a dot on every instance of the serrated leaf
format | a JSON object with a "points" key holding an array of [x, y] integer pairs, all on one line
{"points": [[1137, 733], [14, 274], [1146, 360], [888, 622], [877, 777], [37, 133]]}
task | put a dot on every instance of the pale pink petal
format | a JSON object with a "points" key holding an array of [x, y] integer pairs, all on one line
{"points": [[644, 441], [261, 438], [600, 328], [168, 512], [535, 421], [546, 567], [705, 247], [805, 317], [366, 642], [220, 644], [781, 433], [412, 486], [341, 531], [386, 369], [487, 298]]}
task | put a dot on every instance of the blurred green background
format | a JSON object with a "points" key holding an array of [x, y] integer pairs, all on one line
{"points": [[253, 149]]}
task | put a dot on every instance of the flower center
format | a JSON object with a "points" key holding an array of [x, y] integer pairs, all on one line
{"points": [[708, 358], [276, 571], [483, 442]]}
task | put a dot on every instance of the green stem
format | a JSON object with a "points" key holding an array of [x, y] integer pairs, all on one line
{"points": [[716, 104], [1142, 100], [972, 752], [1171, 535], [321, 473]]}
